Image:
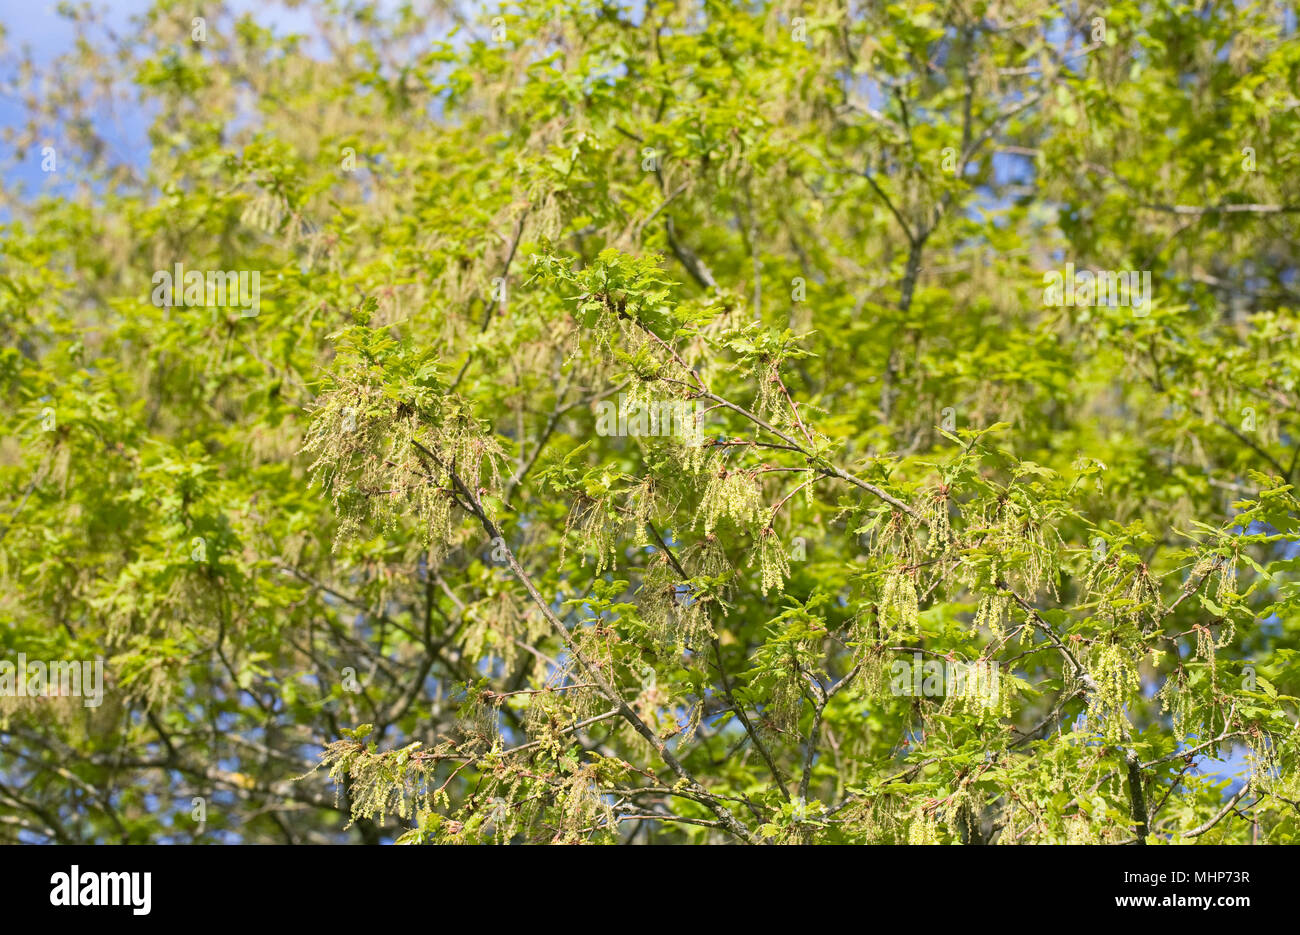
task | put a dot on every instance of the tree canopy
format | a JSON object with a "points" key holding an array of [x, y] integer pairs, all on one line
{"points": [[801, 421]]}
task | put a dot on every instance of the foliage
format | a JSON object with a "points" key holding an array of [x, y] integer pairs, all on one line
{"points": [[361, 565]]}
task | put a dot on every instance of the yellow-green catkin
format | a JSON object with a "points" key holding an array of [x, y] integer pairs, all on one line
{"points": [[774, 566], [922, 828], [1176, 701], [730, 494], [1261, 755], [939, 523], [1117, 681], [992, 612], [901, 604]]}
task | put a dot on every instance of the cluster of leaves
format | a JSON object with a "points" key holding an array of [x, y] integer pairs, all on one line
{"points": [[364, 565]]}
